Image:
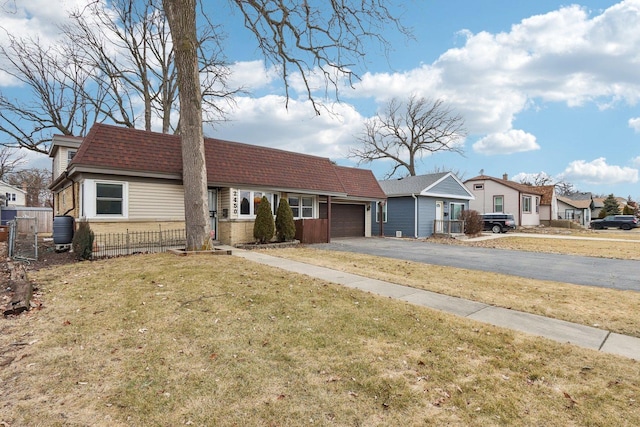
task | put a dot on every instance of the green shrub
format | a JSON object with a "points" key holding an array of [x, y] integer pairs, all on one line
{"points": [[285, 227], [264, 227], [473, 222], [82, 242]]}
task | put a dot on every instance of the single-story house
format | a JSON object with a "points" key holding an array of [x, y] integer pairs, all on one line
{"points": [[12, 195], [419, 206], [121, 179], [598, 205], [577, 207], [530, 205]]}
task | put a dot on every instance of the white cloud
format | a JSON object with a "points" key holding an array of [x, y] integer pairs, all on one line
{"points": [[512, 141], [599, 172], [636, 161], [563, 56], [634, 124], [251, 75], [265, 121]]}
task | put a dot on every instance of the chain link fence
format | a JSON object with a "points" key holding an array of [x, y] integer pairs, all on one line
{"points": [[23, 238]]}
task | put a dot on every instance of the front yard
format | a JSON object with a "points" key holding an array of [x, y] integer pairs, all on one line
{"points": [[167, 340]]}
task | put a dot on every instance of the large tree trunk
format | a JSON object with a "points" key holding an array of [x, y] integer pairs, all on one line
{"points": [[181, 15]]}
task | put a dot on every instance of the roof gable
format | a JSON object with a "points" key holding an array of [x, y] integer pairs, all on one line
{"points": [[442, 184], [123, 151]]}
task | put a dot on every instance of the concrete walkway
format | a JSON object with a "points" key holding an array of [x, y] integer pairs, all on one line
{"points": [[557, 330]]}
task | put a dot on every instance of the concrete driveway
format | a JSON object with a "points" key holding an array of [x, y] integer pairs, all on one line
{"points": [[579, 270]]}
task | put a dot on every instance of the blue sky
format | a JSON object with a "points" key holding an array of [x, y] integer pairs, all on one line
{"points": [[544, 86]]}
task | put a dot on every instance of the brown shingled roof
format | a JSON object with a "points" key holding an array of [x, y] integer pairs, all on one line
{"points": [[523, 188], [131, 151], [360, 183]]}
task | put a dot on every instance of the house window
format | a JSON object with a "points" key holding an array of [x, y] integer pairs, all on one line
{"points": [[250, 201], [301, 206], [109, 198], [456, 210], [384, 212], [537, 205], [478, 186], [498, 203], [70, 155], [526, 204], [569, 214]]}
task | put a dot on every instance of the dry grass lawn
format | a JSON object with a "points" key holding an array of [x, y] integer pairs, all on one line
{"points": [[163, 340]]}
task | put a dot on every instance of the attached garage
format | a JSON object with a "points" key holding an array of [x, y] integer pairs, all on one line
{"points": [[347, 220]]}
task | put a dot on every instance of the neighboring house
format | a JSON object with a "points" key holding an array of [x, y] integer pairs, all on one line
{"points": [[530, 205], [416, 202], [13, 196], [598, 204], [121, 179], [577, 207]]}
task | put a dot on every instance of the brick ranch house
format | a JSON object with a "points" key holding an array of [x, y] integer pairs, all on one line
{"points": [[120, 179]]}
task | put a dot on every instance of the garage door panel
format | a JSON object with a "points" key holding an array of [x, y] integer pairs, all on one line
{"points": [[347, 220]]}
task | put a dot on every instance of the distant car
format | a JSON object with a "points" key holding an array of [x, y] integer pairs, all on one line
{"points": [[626, 222], [499, 222]]}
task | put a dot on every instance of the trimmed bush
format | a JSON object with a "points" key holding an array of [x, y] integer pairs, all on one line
{"points": [[264, 227], [285, 227], [473, 222], [82, 242]]}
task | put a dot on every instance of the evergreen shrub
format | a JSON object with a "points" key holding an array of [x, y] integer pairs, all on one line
{"points": [[82, 242], [264, 227], [285, 226]]}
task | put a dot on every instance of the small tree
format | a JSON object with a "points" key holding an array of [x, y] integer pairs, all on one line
{"points": [[285, 227], [82, 242], [473, 222], [264, 227], [611, 206]]}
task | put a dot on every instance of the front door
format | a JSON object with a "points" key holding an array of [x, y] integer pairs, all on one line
{"points": [[213, 213], [439, 218]]}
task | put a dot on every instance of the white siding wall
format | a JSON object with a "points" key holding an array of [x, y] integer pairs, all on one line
{"points": [[160, 201], [483, 202]]}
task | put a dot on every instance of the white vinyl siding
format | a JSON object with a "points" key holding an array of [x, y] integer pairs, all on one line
{"points": [[156, 200]]}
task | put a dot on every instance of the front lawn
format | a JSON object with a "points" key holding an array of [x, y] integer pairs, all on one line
{"points": [[166, 340]]}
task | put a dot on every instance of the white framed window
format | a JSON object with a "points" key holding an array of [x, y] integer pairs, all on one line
{"points": [[384, 212], [109, 198], [105, 199], [498, 203], [456, 210], [526, 204], [302, 206], [478, 186], [250, 201], [70, 154], [537, 204]]}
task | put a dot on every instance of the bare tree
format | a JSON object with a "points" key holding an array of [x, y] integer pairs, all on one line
{"points": [[405, 132], [9, 160], [36, 182], [56, 105], [538, 180], [564, 188], [294, 35]]}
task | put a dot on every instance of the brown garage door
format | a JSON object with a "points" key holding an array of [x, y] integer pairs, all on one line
{"points": [[347, 220]]}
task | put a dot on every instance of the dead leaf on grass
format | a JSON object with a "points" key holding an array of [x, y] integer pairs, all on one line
{"points": [[571, 401]]}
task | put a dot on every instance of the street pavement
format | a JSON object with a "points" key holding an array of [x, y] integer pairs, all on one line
{"points": [[579, 270]]}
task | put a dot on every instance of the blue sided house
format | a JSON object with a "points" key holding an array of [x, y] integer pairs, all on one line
{"points": [[419, 206]]}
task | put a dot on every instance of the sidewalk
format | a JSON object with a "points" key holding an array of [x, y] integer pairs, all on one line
{"points": [[557, 330]]}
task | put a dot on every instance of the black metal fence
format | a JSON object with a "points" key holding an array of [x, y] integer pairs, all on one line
{"points": [[132, 242]]}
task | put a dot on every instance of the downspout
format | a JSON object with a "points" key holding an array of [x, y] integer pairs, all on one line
{"points": [[73, 193], [415, 216]]}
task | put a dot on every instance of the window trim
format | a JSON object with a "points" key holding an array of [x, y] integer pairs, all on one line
{"points": [[273, 198], [90, 199], [494, 203], [302, 207], [526, 204], [384, 212], [478, 186], [452, 210]]}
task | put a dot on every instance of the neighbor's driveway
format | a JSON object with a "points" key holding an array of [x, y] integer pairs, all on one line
{"points": [[580, 270]]}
